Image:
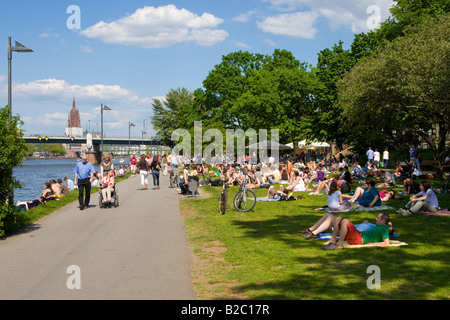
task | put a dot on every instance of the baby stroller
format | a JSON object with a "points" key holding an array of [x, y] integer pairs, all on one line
{"points": [[114, 198], [173, 178], [407, 170]]}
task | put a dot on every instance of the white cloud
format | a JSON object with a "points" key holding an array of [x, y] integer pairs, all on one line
{"points": [[44, 106], [242, 45], [244, 17], [270, 42], [56, 89], [298, 24], [352, 14], [151, 27]]}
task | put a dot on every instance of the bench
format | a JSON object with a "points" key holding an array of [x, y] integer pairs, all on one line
{"points": [[432, 163]]}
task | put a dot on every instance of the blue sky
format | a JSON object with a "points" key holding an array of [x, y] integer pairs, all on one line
{"points": [[127, 53]]}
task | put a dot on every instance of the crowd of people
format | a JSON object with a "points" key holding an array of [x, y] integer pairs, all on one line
{"points": [[312, 172], [53, 190]]}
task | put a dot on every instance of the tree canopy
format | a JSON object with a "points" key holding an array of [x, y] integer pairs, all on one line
{"points": [[403, 88]]}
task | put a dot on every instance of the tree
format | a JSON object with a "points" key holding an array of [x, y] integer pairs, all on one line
{"points": [[12, 150], [166, 114], [225, 84], [404, 87], [279, 95], [326, 123]]}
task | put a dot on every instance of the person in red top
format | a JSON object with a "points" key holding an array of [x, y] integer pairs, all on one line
{"points": [[107, 186], [133, 161]]}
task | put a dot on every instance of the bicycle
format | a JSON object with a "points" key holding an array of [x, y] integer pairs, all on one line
{"points": [[245, 199], [223, 198], [173, 178]]}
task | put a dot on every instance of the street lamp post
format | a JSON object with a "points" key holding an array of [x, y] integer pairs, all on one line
{"points": [[101, 147], [130, 124], [17, 48], [143, 132]]}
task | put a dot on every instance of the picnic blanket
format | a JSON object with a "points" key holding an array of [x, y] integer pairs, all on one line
{"points": [[272, 199], [361, 208], [392, 243], [265, 199], [327, 235], [442, 212]]}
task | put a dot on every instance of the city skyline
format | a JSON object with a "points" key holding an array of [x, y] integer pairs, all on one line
{"points": [[125, 54]]}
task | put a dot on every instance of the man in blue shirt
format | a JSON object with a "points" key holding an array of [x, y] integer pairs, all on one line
{"points": [[84, 174], [369, 155], [413, 156]]}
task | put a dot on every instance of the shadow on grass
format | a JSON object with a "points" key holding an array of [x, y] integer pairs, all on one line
{"points": [[416, 271]]}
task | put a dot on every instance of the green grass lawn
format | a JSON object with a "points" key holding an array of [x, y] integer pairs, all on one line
{"points": [[260, 255]]}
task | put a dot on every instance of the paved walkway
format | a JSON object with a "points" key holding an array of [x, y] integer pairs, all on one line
{"points": [[136, 251]]}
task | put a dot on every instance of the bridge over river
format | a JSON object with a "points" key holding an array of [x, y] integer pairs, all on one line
{"points": [[95, 154]]}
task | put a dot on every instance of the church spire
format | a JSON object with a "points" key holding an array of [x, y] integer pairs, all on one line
{"points": [[74, 116]]}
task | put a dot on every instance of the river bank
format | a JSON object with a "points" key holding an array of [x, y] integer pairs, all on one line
{"points": [[34, 173]]}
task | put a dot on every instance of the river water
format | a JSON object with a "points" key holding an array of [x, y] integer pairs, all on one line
{"points": [[34, 173]]}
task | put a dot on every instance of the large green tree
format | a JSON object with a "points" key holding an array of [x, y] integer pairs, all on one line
{"points": [[280, 96], [12, 150], [403, 88], [172, 113]]}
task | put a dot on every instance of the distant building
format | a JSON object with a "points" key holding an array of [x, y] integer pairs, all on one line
{"points": [[74, 130], [74, 124]]}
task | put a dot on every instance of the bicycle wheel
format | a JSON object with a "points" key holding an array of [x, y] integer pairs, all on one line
{"points": [[244, 202], [223, 203]]}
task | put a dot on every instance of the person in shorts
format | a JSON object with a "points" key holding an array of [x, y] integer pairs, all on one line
{"points": [[376, 236]]}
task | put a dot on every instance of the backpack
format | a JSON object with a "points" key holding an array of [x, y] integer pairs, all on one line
{"points": [[345, 188]]}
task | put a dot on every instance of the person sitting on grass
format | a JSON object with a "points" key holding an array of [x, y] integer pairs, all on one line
{"points": [[281, 194], [357, 172], [325, 185], [64, 188], [410, 186], [335, 200], [425, 200], [55, 188], [368, 197], [388, 179], [298, 184], [376, 236], [46, 195], [253, 182]]}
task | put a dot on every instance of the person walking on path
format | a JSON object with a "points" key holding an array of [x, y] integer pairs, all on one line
{"points": [[155, 167], [385, 157], [84, 174], [143, 170], [369, 155]]}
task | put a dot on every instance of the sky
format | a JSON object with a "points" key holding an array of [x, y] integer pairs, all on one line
{"points": [[125, 54]]}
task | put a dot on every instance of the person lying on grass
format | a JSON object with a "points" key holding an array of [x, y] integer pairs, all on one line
{"points": [[375, 236], [281, 194]]}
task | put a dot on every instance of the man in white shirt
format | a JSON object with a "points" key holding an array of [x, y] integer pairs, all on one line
{"points": [[385, 157], [376, 156]]}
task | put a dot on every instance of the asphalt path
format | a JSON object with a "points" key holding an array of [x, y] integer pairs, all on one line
{"points": [[137, 251]]}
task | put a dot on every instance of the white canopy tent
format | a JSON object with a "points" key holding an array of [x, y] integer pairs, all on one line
{"points": [[313, 144]]}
